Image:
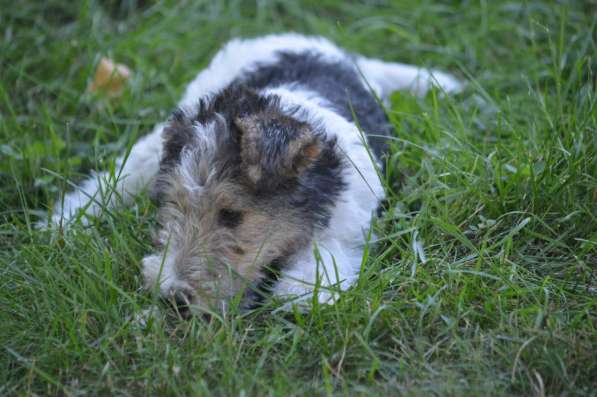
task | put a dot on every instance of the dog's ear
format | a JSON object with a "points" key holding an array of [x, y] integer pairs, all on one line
{"points": [[276, 148]]}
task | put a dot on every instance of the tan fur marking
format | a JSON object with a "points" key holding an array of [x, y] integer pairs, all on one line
{"points": [[217, 261], [249, 151], [302, 151]]}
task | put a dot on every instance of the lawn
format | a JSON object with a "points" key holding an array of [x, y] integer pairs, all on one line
{"points": [[484, 278]]}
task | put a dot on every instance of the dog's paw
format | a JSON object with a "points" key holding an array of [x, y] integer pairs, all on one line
{"points": [[446, 82], [68, 211], [299, 294]]}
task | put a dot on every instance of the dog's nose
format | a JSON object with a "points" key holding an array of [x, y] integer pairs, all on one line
{"points": [[182, 304], [180, 301]]}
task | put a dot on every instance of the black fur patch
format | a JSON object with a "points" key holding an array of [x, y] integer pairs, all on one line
{"points": [[274, 145], [177, 135], [338, 82], [256, 294]]}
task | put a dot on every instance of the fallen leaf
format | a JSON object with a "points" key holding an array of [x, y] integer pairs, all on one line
{"points": [[110, 77]]}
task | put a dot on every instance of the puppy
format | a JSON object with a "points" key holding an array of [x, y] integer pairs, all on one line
{"points": [[266, 175]]}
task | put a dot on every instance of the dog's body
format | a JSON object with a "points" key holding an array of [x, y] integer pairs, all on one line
{"points": [[263, 175]]}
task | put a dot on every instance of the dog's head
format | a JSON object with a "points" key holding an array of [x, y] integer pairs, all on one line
{"points": [[242, 185]]}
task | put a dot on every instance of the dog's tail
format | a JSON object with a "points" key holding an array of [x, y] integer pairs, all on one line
{"points": [[387, 77]]}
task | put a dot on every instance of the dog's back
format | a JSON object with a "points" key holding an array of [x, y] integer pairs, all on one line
{"points": [[334, 79]]}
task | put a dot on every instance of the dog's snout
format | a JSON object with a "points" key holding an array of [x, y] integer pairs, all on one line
{"points": [[181, 301]]}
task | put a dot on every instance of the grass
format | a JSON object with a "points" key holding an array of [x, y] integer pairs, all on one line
{"points": [[498, 185]]}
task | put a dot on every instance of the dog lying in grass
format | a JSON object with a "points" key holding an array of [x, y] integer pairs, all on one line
{"points": [[267, 174]]}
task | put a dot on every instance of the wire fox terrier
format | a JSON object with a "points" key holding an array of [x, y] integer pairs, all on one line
{"points": [[267, 174]]}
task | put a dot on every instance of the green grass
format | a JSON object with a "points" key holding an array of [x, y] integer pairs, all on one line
{"points": [[499, 184]]}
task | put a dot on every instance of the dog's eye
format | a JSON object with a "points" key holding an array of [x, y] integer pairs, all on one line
{"points": [[229, 218]]}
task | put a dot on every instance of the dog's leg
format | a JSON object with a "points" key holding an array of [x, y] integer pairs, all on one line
{"points": [[133, 174], [386, 77], [335, 267]]}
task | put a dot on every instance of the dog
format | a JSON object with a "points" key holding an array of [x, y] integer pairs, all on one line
{"points": [[266, 175]]}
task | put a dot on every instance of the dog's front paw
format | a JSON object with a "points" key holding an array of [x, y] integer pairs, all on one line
{"points": [[68, 210], [301, 294], [446, 82]]}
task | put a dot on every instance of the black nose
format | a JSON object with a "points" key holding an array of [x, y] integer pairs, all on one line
{"points": [[180, 302]]}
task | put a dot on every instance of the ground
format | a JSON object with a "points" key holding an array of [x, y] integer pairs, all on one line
{"points": [[484, 278]]}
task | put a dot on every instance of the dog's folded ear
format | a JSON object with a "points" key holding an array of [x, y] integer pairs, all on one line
{"points": [[276, 148]]}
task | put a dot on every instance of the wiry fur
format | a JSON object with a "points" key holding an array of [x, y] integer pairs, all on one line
{"points": [[262, 166]]}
